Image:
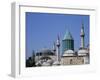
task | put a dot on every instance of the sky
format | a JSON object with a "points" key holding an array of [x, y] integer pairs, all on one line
{"points": [[42, 30]]}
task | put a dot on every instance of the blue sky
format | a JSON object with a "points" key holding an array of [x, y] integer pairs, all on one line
{"points": [[42, 29]]}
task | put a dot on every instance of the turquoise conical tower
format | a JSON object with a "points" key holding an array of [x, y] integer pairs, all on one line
{"points": [[67, 42]]}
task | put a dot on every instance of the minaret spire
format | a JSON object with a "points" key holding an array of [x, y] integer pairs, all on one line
{"points": [[54, 47], [82, 35], [58, 41], [58, 49]]}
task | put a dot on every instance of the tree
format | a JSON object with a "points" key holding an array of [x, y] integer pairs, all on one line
{"points": [[30, 62]]}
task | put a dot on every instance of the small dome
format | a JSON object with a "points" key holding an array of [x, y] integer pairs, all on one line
{"points": [[69, 53], [82, 51]]}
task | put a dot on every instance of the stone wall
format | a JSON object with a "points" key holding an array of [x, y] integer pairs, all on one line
{"points": [[72, 60]]}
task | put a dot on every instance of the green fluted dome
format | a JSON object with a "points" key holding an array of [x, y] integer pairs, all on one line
{"points": [[68, 36], [67, 42]]}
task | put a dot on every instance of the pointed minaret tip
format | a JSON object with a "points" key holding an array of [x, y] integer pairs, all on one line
{"points": [[58, 37], [82, 24], [82, 29]]}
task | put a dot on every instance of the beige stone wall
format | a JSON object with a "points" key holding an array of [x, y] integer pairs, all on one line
{"points": [[72, 60]]}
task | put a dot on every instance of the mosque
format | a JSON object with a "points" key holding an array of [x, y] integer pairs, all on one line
{"points": [[68, 56]]}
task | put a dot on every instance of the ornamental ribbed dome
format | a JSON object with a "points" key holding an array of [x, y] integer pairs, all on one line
{"points": [[68, 36]]}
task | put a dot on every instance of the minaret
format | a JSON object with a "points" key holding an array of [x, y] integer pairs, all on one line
{"points": [[82, 34], [54, 48], [58, 49]]}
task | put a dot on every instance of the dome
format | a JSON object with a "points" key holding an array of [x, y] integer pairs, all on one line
{"points": [[82, 52], [46, 52], [68, 36], [69, 53]]}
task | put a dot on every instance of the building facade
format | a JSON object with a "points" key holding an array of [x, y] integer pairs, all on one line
{"points": [[68, 56]]}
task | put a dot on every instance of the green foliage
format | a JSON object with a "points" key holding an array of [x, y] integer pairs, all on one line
{"points": [[30, 62]]}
